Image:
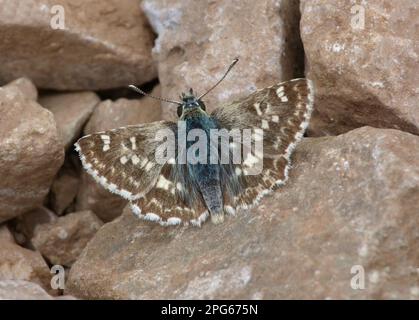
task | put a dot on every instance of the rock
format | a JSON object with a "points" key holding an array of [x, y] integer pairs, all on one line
{"points": [[25, 86], [91, 196], [61, 241], [362, 76], [71, 111], [30, 153], [197, 40], [350, 200], [18, 263], [109, 115], [25, 290], [64, 191], [25, 226], [5, 234], [123, 112], [104, 44]]}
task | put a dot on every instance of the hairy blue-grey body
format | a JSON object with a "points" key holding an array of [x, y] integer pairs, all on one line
{"points": [[205, 176], [203, 182]]}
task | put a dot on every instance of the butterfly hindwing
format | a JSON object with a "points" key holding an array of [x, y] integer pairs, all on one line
{"points": [[170, 202], [282, 111]]}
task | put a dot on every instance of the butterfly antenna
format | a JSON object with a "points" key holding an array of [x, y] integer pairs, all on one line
{"points": [[132, 87], [222, 78]]}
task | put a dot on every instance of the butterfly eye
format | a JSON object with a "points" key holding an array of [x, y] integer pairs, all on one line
{"points": [[179, 111]]}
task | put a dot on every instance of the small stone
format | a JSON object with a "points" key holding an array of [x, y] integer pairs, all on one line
{"points": [[71, 111], [18, 263], [26, 87], [27, 223], [62, 240], [25, 290], [64, 191]]}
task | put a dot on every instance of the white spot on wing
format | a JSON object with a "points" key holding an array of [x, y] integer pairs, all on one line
{"points": [[179, 186], [143, 163], [163, 183], [250, 160], [265, 124], [106, 141], [135, 160], [133, 143], [257, 108], [123, 159], [105, 137], [280, 91], [149, 166]]}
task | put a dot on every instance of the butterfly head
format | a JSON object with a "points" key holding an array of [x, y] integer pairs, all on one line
{"points": [[190, 102]]}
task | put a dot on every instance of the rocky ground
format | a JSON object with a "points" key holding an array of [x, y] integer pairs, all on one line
{"points": [[346, 225]]}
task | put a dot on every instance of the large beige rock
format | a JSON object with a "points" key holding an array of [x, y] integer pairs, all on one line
{"points": [[31, 153], [18, 263], [363, 76], [351, 200], [25, 86], [61, 241], [197, 40], [105, 44], [108, 115], [25, 290], [71, 111]]}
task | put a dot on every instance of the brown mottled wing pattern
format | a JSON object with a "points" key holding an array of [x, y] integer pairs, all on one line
{"points": [[123, 161], [282, 111], [167, 202]]}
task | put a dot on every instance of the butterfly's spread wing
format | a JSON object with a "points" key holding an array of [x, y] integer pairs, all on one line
{"points": [[124, 162], [282, 112]]}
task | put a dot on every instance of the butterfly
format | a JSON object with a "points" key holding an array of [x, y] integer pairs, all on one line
{"points": [[169, 192]]}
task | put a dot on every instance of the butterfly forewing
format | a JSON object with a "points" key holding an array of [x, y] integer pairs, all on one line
{"points": [[282, 112], [123, 160]]}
